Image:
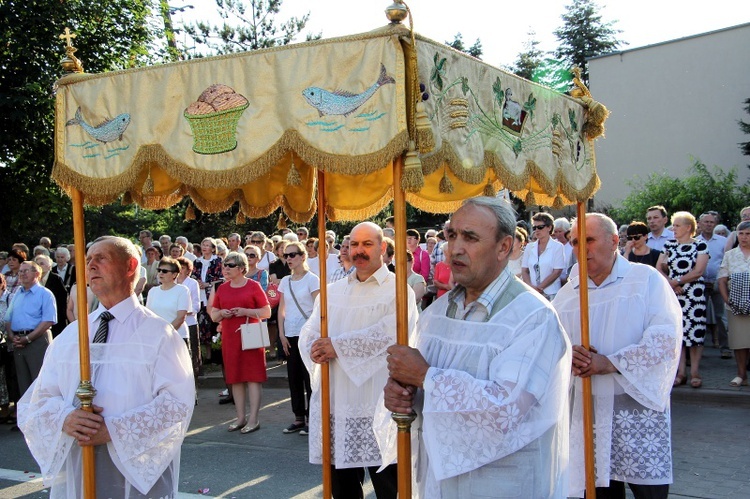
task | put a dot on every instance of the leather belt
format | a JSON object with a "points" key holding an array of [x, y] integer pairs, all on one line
{"points": [[23, 332]]}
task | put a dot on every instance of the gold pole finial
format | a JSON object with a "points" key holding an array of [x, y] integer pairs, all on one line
{"points": [[70, 63], [396, 12]]}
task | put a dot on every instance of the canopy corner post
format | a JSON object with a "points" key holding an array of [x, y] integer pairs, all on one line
{"points": [[325, 380], [588, 409], [403, 421], [86, 390]]}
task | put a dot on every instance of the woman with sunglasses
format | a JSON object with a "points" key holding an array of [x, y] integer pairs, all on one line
{"points": [[635, 249], [169, 300], [207, 271], [544, 259], [298, 293], [254, 272], [235, 302]]}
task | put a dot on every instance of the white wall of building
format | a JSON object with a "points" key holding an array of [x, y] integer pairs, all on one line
{"points": [[671, 101]]}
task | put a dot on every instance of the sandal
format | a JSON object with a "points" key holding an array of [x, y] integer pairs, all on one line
{"points": [[250, 429], [737, 381], [696, 382], [679, 380], [235, 426]]}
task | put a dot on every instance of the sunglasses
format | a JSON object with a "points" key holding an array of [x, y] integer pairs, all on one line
{"points": [[256, 241], [538, 227], [251, 255], [165, 271], [636, 237], [231, 265], [292, 255]]}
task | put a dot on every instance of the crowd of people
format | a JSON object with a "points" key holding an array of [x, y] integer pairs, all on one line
{"points": [[479, 370]]}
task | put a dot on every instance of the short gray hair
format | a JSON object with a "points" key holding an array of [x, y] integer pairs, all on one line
{"points": [[609, 225], [743, 225], [62, 250], [503, 211], [237, 257], [562, 223]]}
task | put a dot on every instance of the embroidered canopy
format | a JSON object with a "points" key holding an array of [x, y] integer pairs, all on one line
{"points": [[255, 128]]}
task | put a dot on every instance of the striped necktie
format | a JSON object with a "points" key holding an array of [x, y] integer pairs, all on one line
{"points": [[103, 330]]}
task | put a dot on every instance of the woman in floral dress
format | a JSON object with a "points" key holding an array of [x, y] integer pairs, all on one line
{"points": [[682, 262]]}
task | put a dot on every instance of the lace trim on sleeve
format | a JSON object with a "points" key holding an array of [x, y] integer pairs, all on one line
{"points": [[147, 438]]}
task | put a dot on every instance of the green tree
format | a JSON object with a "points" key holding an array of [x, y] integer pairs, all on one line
{"points": [[528, 60], [111, 34], [251, 26], [745, 127], [458, 44], [700, 191], [584, 34]]}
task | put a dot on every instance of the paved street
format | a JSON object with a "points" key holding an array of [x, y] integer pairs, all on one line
{"points": [[710, 433]]}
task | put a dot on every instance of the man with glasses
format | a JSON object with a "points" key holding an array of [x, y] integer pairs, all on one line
{"points": [[302, 234], [145, 391], [656, 218], [636, 338], [361, 325], [29, 319], [715, 319]]}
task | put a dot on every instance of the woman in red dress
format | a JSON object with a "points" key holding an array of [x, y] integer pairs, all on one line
{"points": [[236, 301]]}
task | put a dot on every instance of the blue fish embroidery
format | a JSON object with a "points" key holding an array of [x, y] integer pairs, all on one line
{"points": [[107, 131], [341, 101]]}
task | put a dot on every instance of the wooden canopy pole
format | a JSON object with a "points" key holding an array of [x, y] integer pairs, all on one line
{"points": [[403, 421], [588, 410], [85, 391], [325, 393]]}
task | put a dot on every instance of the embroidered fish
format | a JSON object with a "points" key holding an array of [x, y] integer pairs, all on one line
{"points": [[341, 101], [107, 131]]}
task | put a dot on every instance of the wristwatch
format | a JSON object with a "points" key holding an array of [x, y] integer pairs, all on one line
{"points": [[28, 340], [679, 280]]}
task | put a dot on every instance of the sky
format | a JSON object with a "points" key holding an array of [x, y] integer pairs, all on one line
{"points": [[503, 27]]}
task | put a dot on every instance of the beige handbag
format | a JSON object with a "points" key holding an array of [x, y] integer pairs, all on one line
{"points": [[254, 335]]}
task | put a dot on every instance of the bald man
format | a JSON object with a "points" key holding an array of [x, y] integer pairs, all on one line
{"points": [[361, 326]]}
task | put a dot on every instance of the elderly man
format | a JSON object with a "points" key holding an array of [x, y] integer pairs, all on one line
{"points": [[302, 234], [361, 325], [28, 321], [636, 334], [146, 239], [489, 374], [656, 218], [137, 427], [186, 247], [234, 240]]}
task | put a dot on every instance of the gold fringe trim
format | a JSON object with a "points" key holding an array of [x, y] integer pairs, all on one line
{"points": [[190, 213], [339, 215], [108, 189], [412, 179], [558, 203], [282, 223], [127, 199], [240, 218]]}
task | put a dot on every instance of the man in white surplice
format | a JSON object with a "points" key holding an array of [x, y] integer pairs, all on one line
{"points": [[635, 338], [145, 392], [361, 326], [489, 374]]}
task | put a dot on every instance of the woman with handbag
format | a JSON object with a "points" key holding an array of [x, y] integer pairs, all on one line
{"points": [[298, 293], [734, 286], [238, 301]]}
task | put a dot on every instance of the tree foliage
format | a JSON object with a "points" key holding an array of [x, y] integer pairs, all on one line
{"points": [[458, 44], [700, 191], [111, 34], [248, 25], [745, 127], [584, 34], [529, 60]]}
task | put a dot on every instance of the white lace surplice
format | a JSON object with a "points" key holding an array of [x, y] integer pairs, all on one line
{"points": [[494, 419], [637, 324], [144, 382], [361, 325]]}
